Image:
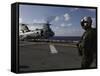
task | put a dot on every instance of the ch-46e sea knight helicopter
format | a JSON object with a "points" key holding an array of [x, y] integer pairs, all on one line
{"points": [[25, 33]]}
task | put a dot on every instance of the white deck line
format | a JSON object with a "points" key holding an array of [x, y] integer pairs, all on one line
{"points": [[68, 45], [53, 49]]}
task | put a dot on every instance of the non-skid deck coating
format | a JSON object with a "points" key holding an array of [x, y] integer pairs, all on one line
{"points": [[45, 56]]}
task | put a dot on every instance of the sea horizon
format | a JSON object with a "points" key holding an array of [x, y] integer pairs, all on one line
{"points": [[71, 38]]}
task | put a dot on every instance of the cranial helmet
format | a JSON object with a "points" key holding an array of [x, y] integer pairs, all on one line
{"points": [[87, 20]]}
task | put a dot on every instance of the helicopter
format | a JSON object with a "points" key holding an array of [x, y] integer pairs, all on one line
{"points": [[44, 33]]}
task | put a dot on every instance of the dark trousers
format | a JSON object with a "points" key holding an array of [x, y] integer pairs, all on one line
{"points": [[86, 61]]}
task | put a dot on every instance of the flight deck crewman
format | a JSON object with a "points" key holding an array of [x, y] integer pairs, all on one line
{"points": [[88, 44]]}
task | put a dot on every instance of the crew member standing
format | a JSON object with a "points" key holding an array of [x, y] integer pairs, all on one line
{"points": [[88, 44]]}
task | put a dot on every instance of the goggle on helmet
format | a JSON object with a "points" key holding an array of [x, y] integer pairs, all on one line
{"points": [[86, 20]]}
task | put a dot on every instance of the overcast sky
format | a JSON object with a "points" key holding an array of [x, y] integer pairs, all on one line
{"points": [[65, 20]]}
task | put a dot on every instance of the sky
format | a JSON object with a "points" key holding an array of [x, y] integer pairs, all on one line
{"points": [[65, 21]]}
